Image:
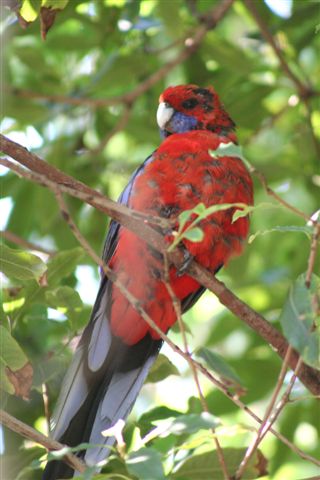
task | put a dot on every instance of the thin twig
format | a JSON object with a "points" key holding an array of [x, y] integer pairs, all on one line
{"points": [[315, 140], [45, 398], [21, 242], [308, 375], [134, 220], [259, 435], [313, 254], [283, 401], [28, 432], [277, 197], [193, 368]]}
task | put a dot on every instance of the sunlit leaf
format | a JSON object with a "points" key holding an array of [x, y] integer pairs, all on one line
{"points": [[190, 423], [55, 4], [227, 150], [20, 264], [30, 9], [194, 235], [145, 464], [63, 298], [184, 217]]}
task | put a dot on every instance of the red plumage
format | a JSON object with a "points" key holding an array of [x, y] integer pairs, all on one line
{"points": [[180, 175], [118, 347]]}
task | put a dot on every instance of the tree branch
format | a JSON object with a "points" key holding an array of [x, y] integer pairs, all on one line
{"points": [[31, 434], [47, 175], [260, 433]]}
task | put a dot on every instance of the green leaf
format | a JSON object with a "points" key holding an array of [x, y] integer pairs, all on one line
{"points": [[199, 209], [63, 264], [217, 363], [29, 10], [194, 234], [299, 319], [188, 424], [242, 213], [228, 150], [20, 265], [184, 217], [161, 369], [207, 467], [55, 4], [64, 298], [146, 464], [12, 357], [11, 353]]}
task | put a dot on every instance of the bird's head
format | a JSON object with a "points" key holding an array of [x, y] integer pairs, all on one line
{"points": [[188, 107]]}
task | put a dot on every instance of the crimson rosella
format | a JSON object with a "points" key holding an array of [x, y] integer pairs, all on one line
{"points": [[118, 347]]}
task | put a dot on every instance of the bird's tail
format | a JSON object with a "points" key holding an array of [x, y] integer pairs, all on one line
{"points": [[100, 388]]}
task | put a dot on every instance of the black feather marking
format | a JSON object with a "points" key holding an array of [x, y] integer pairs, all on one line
{"points": [[190, 103], [204, 92]]}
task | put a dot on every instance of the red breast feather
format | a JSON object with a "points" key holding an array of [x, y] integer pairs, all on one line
{"points": [[182, 174]]}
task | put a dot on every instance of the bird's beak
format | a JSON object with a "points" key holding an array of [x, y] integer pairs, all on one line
{"points": [[164, 114]]}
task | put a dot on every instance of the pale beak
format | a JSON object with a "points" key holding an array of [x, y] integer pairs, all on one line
{"points": [[164, 114]]}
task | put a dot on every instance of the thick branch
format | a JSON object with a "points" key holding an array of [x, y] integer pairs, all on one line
{"points": [[135, 221], [309, 376], [31, 434], [47, 175]]}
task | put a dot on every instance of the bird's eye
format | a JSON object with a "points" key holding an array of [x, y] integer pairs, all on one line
{"points": [[190, 103]]}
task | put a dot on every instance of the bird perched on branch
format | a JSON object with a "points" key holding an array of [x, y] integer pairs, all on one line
{"points": [[118, 347]]}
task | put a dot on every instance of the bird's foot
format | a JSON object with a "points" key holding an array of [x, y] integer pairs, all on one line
{"points": [[187, 260]]}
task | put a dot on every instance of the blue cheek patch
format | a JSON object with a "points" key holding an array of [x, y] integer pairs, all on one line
{"points": [[181, 123]]}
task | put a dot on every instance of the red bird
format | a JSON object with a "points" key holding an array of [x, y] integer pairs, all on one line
{"points": [[117, 347]]}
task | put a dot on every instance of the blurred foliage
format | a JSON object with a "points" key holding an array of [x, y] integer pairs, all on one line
{"points": [[99, 49]]}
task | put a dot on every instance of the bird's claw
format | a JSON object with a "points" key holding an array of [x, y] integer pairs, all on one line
{"points": [[187, 260]]}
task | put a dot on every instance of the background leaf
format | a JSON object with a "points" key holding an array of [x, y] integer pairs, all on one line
{"points": [[206, 466], [219, 365], [145, 464], [300, 319], [20, 265], [161, 369], [15, 369]]}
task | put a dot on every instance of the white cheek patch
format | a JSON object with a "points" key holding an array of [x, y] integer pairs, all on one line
{"points": [[164, 113]]}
